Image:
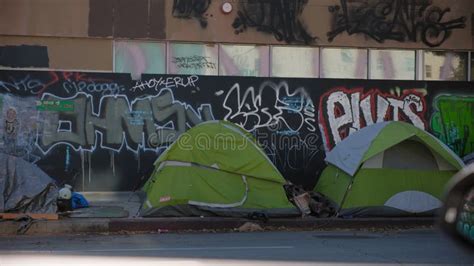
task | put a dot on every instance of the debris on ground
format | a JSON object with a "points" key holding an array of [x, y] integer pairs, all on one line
{"points": [[250, 227], [310, 203]]}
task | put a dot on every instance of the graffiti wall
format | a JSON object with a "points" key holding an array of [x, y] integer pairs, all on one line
{"points": [[103, 131], [417, 24], [359, 23]]}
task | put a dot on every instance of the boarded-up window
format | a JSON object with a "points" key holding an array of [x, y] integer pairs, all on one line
{"points": [[392, 64], [299, 62], [192, 59], [343, 63], [140, 58], [445, 65], [244, 60]]}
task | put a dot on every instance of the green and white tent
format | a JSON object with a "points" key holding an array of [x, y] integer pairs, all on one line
{"points": [[388, 169], [215, 169]]}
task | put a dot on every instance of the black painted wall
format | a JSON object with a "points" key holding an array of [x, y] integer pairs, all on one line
{"points": [[103, 131]]}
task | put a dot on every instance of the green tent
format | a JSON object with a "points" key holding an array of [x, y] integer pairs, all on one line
{"points": [[215, 169], [388, 169]]}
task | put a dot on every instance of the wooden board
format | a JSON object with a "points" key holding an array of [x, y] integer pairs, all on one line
{"points": [[45, 216]]}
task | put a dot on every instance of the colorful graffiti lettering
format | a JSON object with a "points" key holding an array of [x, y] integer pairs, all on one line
{"points": [[453, 122], [344, 111]]}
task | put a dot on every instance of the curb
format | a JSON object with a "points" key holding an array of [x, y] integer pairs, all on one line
{"points": [[175, 224], [184, 224], [66, 226], [87, 225]]}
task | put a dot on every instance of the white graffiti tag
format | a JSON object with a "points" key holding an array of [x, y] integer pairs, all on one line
{"points": [[270, 105]]}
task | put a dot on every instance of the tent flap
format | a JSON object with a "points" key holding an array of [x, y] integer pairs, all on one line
{"points": [[348, 154]]}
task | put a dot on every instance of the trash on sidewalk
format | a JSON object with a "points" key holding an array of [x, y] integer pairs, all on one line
{"points": [[25, 188], [310, 203], [75, 205], [302, 202], [68, 200], [250, 227], [78, 201], [65, 199]]}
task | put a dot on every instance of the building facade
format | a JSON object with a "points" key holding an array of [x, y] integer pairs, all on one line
{"points": [[99, 88]]}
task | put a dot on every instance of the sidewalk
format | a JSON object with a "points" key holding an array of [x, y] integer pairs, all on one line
{"points": [[132, 224]]}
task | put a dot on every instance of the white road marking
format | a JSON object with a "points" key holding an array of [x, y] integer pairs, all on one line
{"points": [[61, 260], [146, 249]]}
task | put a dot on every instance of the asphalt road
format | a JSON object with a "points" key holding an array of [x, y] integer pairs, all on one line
{"points": [[269, 248]]}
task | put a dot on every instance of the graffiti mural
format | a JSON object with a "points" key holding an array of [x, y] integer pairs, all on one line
{"points": [[280, 18], [103, 131], [145, 123], [453, 122], [345, 111], [399, 20]]}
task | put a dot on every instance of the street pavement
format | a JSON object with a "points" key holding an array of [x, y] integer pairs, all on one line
{"points": [[426, 246]]}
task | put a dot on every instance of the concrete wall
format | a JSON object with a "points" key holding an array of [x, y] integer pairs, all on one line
{"points": [[62, 18], [51, 107], [445, 24]]}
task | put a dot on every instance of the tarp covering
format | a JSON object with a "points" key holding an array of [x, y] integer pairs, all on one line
{"points": [[25, 188]]}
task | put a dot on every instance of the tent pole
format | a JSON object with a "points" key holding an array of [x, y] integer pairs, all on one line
{"points": [[345, 194]]}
